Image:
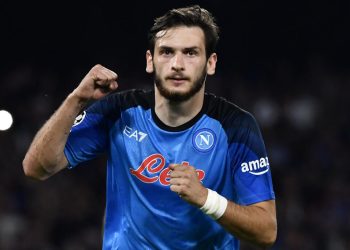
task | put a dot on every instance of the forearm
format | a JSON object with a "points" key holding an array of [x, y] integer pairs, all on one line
{"points": [[45, 155], [255, 223]]}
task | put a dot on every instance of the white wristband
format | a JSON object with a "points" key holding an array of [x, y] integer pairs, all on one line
{"points": [[215, 205]]}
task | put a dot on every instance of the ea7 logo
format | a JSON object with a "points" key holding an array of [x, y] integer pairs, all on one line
{"points": [[257, 167], [134, 133]]}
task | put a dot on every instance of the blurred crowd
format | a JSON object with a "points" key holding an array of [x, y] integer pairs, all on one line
{"points": [[304, 119]]}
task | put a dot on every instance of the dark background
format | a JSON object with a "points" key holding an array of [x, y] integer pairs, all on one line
{"points": [[287, 62]]}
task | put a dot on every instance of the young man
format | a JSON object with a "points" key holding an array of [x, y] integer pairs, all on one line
{"points": [[186, 169]]}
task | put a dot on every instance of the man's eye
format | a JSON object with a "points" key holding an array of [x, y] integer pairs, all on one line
{"points": [[165, 52], [191, 53]]}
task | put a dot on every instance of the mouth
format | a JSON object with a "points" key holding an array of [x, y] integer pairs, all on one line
{"points": [[177, 80]]}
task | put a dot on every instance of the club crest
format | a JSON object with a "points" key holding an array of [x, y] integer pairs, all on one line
{"points": [[204, 140]]}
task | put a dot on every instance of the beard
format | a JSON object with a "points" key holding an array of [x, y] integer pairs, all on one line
{"points": [[176, 96]]}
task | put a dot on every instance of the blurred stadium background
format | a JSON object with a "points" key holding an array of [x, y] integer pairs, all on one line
{"points": [[287, 62]]}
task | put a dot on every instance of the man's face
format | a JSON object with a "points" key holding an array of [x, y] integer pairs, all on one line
{"points": [[179, 62]]}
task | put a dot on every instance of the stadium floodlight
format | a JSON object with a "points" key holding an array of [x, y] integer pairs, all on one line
{"points": [[5, 120]]}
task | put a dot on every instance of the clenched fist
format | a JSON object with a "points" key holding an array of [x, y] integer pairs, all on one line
{"points": [[97, 83], [184, 180]]}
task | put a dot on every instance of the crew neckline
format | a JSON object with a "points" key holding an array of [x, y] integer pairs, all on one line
{"points": [[181, 127]]}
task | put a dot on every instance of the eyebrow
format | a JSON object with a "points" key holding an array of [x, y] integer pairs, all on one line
{"points": [[192, 48], [183, 49]]}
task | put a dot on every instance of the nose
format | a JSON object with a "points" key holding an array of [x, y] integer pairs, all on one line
{"points": [[177, 63]]}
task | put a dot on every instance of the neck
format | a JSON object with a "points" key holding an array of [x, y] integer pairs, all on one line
{"points": [[174, 114]]}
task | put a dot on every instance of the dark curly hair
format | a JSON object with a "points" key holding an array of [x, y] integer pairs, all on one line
{"points": [[188, 16]]}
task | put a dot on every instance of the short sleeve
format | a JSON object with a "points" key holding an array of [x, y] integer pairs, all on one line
{"points": [[251, 168], [88, 137]]}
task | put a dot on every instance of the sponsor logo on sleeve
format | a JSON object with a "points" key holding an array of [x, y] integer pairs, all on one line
{"points": [[257, 167], [79, 119]]}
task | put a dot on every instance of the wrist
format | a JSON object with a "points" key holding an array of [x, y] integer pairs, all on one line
{"points": [[76, 101], [215, 205]]}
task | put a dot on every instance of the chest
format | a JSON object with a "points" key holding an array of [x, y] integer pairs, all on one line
{"points": [[146, 150]]}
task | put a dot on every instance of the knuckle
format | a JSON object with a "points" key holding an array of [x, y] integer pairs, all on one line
{"points": [[184, 182], [188, 175]]}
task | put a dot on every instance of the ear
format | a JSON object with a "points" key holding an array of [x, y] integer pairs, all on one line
{"points": [[149, 62], [211, 64]]}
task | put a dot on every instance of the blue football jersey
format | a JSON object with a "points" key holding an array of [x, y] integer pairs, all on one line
{"points": [[223, 143]]}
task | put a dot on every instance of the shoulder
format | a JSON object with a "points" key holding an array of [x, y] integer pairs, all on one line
{"points": [[135, 97], [235, 120], [113, 104], [123, 100], [226, 111]]}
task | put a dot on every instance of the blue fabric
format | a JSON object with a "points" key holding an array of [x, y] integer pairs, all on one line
{"points": [[141, 211]]}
